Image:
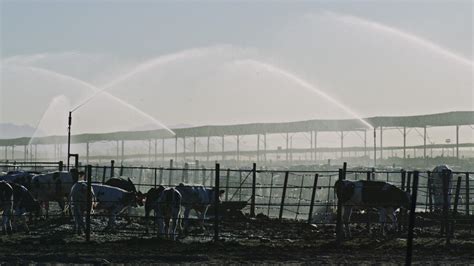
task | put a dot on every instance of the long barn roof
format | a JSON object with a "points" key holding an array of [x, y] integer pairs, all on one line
{"points": [[458, 118]]}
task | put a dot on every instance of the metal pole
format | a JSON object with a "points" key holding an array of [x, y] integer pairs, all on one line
{"points": [[411, 224], [282, 204], [216, 204], [375, 147], [69, 138], [89, 203], [254, 182], [313, 195]]}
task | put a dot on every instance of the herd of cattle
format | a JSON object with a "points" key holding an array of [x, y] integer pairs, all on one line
{"points": [[23, 192]]}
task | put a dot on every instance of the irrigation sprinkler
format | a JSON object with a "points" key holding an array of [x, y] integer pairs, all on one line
{"points": [[69, 138]]}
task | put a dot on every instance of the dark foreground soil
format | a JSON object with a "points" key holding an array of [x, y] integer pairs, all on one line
{"points": [[243, 241]]}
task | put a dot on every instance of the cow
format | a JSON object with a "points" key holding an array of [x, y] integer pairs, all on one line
{"points": [[439, 173], [23, 202], [126, 184], [78, 203], [112, 201], [166, 202], [19, 177], [54, 186], [362, 194], [6, 204], [198, 198]]}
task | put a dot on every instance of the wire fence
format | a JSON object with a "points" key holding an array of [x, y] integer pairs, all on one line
{"points": [[291, 197]]}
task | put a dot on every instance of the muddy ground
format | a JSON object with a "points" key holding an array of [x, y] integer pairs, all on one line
{"points": [[259, 240]]}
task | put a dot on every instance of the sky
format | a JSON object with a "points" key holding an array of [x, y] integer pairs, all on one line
{"points": [[165, 63]]}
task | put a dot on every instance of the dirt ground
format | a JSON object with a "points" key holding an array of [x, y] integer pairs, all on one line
{"points": [[243, 240]]}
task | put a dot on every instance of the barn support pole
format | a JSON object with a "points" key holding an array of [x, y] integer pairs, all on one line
{"points": [[123, 151], [381, 143], [313, 196], [184, 148], [365, 142], [404, 212], [265, 147], [118, 151], [238, 150], [254, 183], [424, 142], [258, 147], [89, 203], [194, 148], [161, 175], [149, 151], [411, 224], [339, 234], [404, 142], [457, 142], [430, 191], [25, 153], [6, 152], [227, 185], [216, 205], [176, 148], [185, 177], [170, 176], [208, 146], [13, 152], [87, 152], [315, 145], [163, 151], [155, 159], [223, 148], [283, 195], [342, 144], [311, 146], [287, 147], [36, 152], [196, 170]]}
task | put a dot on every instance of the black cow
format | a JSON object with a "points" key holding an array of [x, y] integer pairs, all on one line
{"points": [[6, 204], [383, 196], [23, 202], [127, 185]]}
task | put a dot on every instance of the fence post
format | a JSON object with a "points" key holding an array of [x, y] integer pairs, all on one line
{"points": [[161, 175], [409, 181], [121, 170], [60, 166], [170, 179], [112, 168], [467, 194], [185, 173], [227, 185], [270, 195], [103, 174], [216, 204], [411, 224], [402, 212], [154, 177], [254, 182], [444, 224], [283, 194], [368, 224], [313, 195], [456, 201], [430, 191], [89, 203], [339, 211], [204, 176]]}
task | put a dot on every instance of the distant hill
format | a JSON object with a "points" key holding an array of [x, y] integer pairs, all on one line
{"points": [[10, 131]]}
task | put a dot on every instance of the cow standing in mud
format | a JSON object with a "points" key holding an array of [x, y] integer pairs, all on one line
{"points": [[54, 186], [197, 198], [6, 204], [127, 185], [79, 205], [166, 202], [383, 196], [112, 201], [23, 202]]}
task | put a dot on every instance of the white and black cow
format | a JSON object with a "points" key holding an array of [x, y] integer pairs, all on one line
{"points": [[112, 201], [166, 202], [438, 175], [23, 203], [78, 201], [54, 186], [6, 204], [197, 198], [361, 194]]}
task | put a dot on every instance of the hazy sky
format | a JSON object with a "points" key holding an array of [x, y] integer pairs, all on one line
{"points": [[232, 62]]}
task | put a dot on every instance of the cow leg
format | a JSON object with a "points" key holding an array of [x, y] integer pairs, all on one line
{"points": [[382, 219], [61, 207], [393, 218], [161, 224], [186, 219], [6, 223], [167, 227], [175, 218], [346, 217]]}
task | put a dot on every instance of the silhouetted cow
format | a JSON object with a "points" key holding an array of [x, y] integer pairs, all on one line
{"points": [[166, 202], [383, 196], [6, 204]]}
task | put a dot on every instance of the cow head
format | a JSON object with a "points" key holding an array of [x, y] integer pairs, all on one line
{"points": [[220, 194]]}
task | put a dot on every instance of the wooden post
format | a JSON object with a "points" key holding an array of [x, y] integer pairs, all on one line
{"points": [[456, 201], [445, 224], [339, 235], [254, 182], [104, 172], [408, 181], [411, 224], [467, 194], [89, 203], [313, 195], [227, 185], [216, 204], [270, 197], [112, 169], [430, 191], [402, 212], [283, 194], [61, 166]]}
